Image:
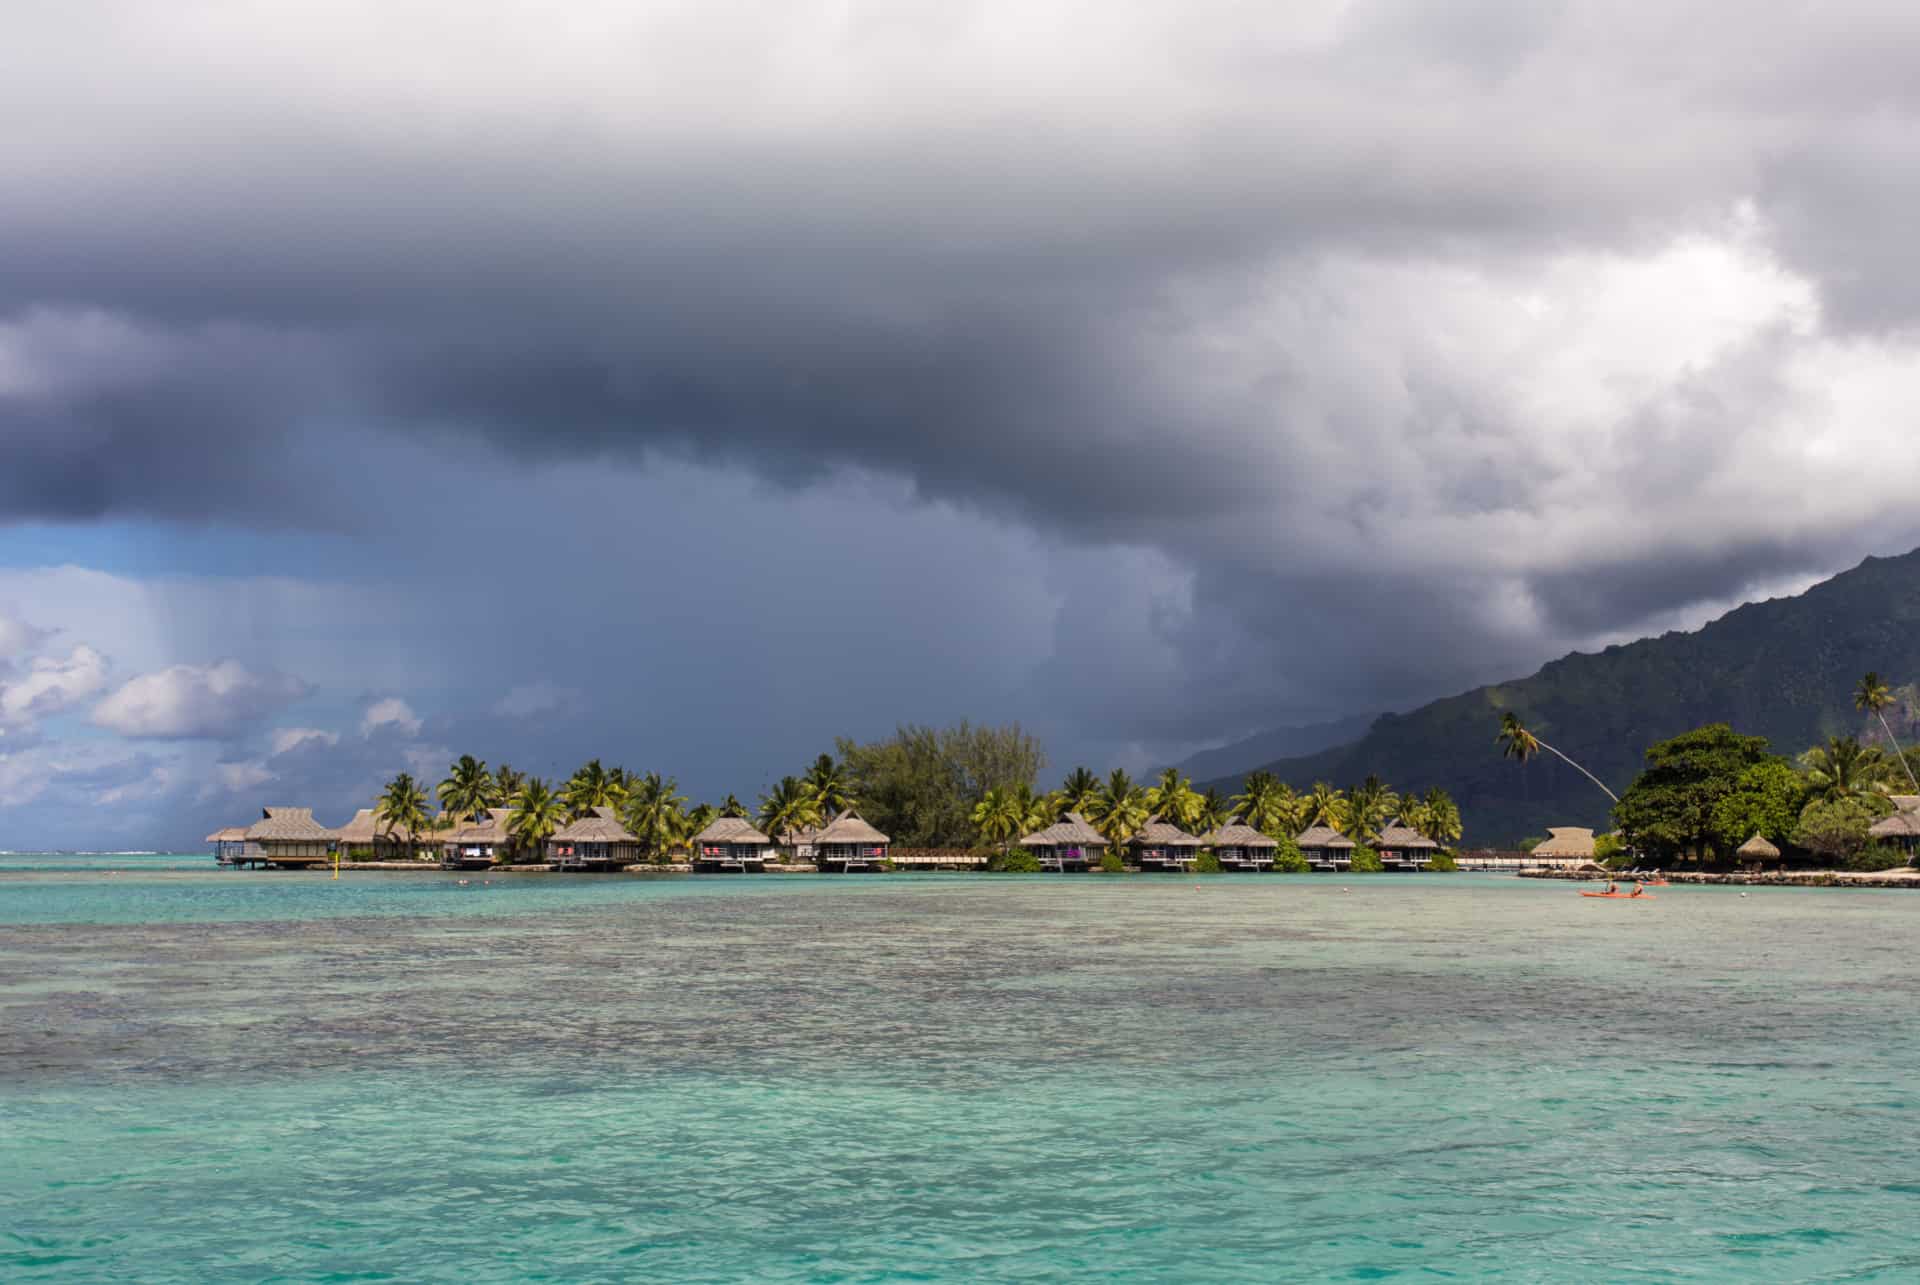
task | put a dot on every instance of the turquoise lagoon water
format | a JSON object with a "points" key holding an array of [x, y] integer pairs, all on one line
{"points": [[224, 1076]]}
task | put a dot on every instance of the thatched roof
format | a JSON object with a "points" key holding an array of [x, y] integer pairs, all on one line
{"points": [[1164, 834], [1758, 846], [849, 828], [1323, 836], [794, 836], [490, 827], [731, 830], [1566, 841], [1071, 830], [232, 834], [1905, 802], [1897, 825], [599, 826], [1237, 834], [288, 825], [1403, 837], [363, 829]]}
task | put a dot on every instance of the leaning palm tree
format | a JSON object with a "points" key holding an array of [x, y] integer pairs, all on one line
{"points": [[468, 789], [1173, 799], [403, 806], [1120, 809], [593, 787], [1079, 790], [789, 805], [537, 812], [1873, 695], [1844, 768], [1519, 744], [831, 789]]}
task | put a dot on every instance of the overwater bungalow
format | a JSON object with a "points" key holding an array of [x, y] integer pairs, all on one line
{"points": [[1401, 847], [376, 839], [1068, 844], [596, 842], [847, 843], [1325, 848], [1901, 827], [732, 844], [1565, 845], [798, 843], [228, 844], [288, 838], [1238, 846], [479, 843], [1161, 845]]}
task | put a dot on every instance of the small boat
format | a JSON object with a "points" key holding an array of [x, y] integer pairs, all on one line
{"points": [[1619, 896]]}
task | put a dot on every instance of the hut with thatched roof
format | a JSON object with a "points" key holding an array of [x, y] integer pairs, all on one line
{"points": [[1068, 844], [1401, 847], [1901, 827], [1757, 851], [478, 843], [1325, 848], [1238, 846], [1564, 845], [597, 841], [798, 841], [364, 835], [228, 844], [731, 844], [287, 837], [1161, 845], [847, 843]]}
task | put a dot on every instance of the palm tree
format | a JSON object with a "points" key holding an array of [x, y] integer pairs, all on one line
{"points": [[1037, 811], [1173, 798], [699, 819], [1269, 805], [537, 812], [732, 807], [1079, 790], [403, 805], [1367, 807], [467, 790], [1213, 811], [1442, 817], [1843, 767], [1872, 694], [999, 816], [1120, 809], [790, 805], [828, 781], [507, 782], [1326, 806], [653, 811], [593, 787], [1519, 744]]}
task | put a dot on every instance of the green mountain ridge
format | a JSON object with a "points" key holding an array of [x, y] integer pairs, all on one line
{"points": [[1784, 669]]}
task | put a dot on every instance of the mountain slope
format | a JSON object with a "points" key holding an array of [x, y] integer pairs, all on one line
{"points": [[1784, 669], [1275, 743]]}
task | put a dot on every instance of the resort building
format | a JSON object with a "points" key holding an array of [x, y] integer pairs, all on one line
{"points": [[228, 844], [1565, 845], [847, 843], [596, 841], [1401, 847], [1325, 848], [479, 843], [286, 837], [731, 843], [1238, 846], [1757, 852], [376, 839], [1901, 827], [1161, 845], [1068, 844], [798, 842]]}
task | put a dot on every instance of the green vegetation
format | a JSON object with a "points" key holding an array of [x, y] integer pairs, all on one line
{"points": [[1877, 856], [1287, 857], [402, 806], [1206, 863], [1366, 861], [1443, 862], [1111, 863], [1836, 828], [922, 786], [1668, 811], [1014, 861]]}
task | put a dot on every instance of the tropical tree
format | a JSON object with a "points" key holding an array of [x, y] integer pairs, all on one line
{"points": [[1326, 806], [731, 806], [1873, 695], [1668, 810], [700, 818], [1213, 811], [1173, 798], [592, 786], [468, 789], [538, 811], [1367, 806], [831, 789], [507, 782], [654, 811], [1441, 816], [1000, 816], [403, 806], [1519, 744], [1079, 791], [1037, 811], [1120, 809], [1843, 767], [1269, 805], [789, 805]]}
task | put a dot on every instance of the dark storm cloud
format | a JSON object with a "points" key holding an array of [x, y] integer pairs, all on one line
{"points": [[1233, 288]]}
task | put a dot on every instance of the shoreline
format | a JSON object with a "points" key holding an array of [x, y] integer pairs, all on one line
{"points": [[1895, 878]]}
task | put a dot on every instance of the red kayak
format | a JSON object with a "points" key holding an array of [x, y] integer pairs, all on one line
{"points": [[1619, 896]]}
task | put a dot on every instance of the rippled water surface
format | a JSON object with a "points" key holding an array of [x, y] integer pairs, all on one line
{"points": [[225, 1076]]}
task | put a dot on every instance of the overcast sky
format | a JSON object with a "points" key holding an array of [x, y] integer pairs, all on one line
{"points": [[689, 384]]}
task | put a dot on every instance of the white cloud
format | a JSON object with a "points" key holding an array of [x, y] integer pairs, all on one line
{"points": [[535, 698], [50, 685], [390, 712], [236, 778], [284, 739], [196, 700], [153, 785], [17, 638]]}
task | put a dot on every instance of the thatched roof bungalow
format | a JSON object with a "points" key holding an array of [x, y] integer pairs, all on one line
{"points": [[1161, 845], [1068, 844], [1564, 844], [731, 843], [847, 843], [1757, 850], [478, 843], [384, 841], [597, 841], [1238, 846], [1403, 847], [1325, 848], [1901, 827], [228, 843], [287, 837]]}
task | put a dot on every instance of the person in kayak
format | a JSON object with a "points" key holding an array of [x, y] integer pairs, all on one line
{"points": [[1636, 889], [1610, 888]]}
